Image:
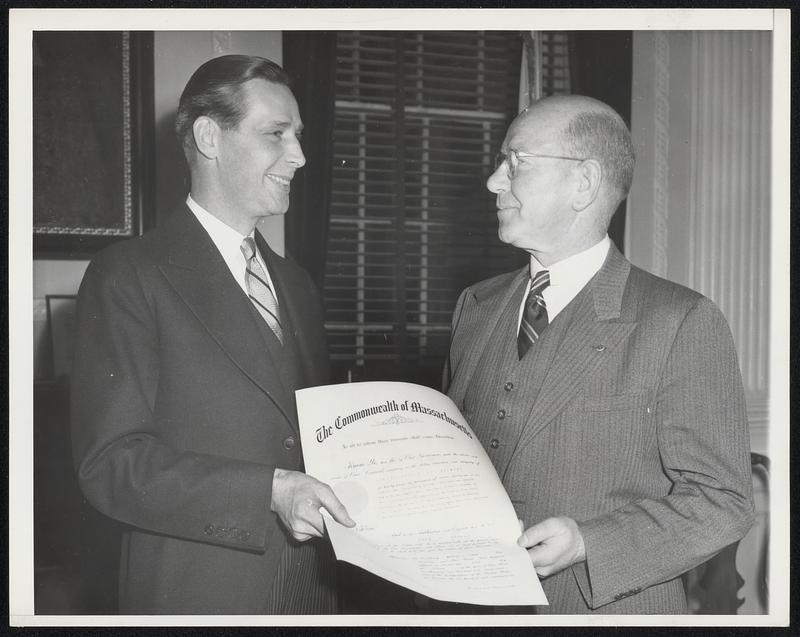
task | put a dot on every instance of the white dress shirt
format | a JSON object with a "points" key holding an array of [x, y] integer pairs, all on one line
{"points": [[568, 277], [229, 244]]}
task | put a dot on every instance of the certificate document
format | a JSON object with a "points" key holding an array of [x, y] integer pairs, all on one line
{"points": [[431, 513]]}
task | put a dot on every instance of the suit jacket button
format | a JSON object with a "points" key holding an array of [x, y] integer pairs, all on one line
{"points": [[599, 348], [289, 443], [495, 443], [501, 413], [508, 386]]}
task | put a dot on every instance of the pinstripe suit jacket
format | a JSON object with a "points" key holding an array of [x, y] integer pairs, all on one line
{"points": [[180, 417], [628, 416]]}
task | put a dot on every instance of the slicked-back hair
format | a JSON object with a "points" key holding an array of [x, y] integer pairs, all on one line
{"points": [[606, 138], [215, 90]]}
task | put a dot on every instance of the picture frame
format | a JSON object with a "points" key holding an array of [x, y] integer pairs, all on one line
{"points": [[92, 140], [61, 328]]}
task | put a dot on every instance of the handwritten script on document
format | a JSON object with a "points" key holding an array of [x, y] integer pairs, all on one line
{"points": [[431, 512]]}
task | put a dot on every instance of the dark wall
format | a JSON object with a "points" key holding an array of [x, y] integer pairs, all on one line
{"points": [[76, 549]]}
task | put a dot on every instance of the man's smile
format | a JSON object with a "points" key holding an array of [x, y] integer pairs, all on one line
{"points": [[284, 182]]}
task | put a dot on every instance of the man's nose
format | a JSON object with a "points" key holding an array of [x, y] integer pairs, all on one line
{"points": [[498, 181], [295, 155]]}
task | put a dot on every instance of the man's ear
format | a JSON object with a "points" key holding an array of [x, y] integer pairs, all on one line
{"points": [[206, 136], [590, 177]]}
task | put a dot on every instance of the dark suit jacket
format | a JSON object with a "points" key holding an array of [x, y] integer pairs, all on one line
{"points": [[180, 417], [636, 428]]}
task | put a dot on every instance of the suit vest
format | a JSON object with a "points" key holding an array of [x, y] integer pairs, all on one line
{"points": [[503, 389], [286, 357]]}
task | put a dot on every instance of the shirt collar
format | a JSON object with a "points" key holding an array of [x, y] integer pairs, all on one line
{"points": [[228, 242], [575, 271], [224, 237]]}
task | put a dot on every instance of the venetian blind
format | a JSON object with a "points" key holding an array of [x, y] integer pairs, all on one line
{"points": [[419, 117], [555, 62]]}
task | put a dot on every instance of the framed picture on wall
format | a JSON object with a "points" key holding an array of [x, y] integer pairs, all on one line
{"points": [[61, 323], [92, 132]]}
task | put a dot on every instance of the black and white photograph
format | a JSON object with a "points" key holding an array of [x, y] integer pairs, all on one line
{"points": [[392, 317]]}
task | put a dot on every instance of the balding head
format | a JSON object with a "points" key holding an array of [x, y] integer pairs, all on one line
{"points": [[586, 128], [565, 164]]}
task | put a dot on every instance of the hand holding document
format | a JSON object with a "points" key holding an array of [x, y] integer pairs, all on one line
{"points": [[431, 513]]}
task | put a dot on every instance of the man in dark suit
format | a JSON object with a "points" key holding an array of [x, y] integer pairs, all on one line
{"points": [[191, 342], [610, 400]]}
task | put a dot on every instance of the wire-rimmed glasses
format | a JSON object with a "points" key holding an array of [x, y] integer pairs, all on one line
{"points": [[512, 157]]}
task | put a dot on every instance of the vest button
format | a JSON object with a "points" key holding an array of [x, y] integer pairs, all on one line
{"points": [[495, 443], [501, 413], [508, 386], [289, 443]]}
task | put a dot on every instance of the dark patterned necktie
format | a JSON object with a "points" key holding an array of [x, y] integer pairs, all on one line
{"points": [[534, 317], [259, 290]]}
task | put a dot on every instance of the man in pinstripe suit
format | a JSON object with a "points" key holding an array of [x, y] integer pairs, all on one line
{"points": [[610, 400]]}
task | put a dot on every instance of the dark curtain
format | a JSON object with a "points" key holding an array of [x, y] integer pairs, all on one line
{"points": [[601, 66], [309, 57]]}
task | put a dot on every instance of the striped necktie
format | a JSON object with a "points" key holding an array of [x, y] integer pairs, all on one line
{"points": [[534, 317], [259, 290]]}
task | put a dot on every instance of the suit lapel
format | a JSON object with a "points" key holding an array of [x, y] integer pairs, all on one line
{"points": [[200, 276], [489, 305], [599, 326]]}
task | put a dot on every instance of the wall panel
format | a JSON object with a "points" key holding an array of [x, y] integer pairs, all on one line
{"points": [[700, 205]]}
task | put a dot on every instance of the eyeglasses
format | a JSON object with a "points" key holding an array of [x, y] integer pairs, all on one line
{"points": [[513, 156]]}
